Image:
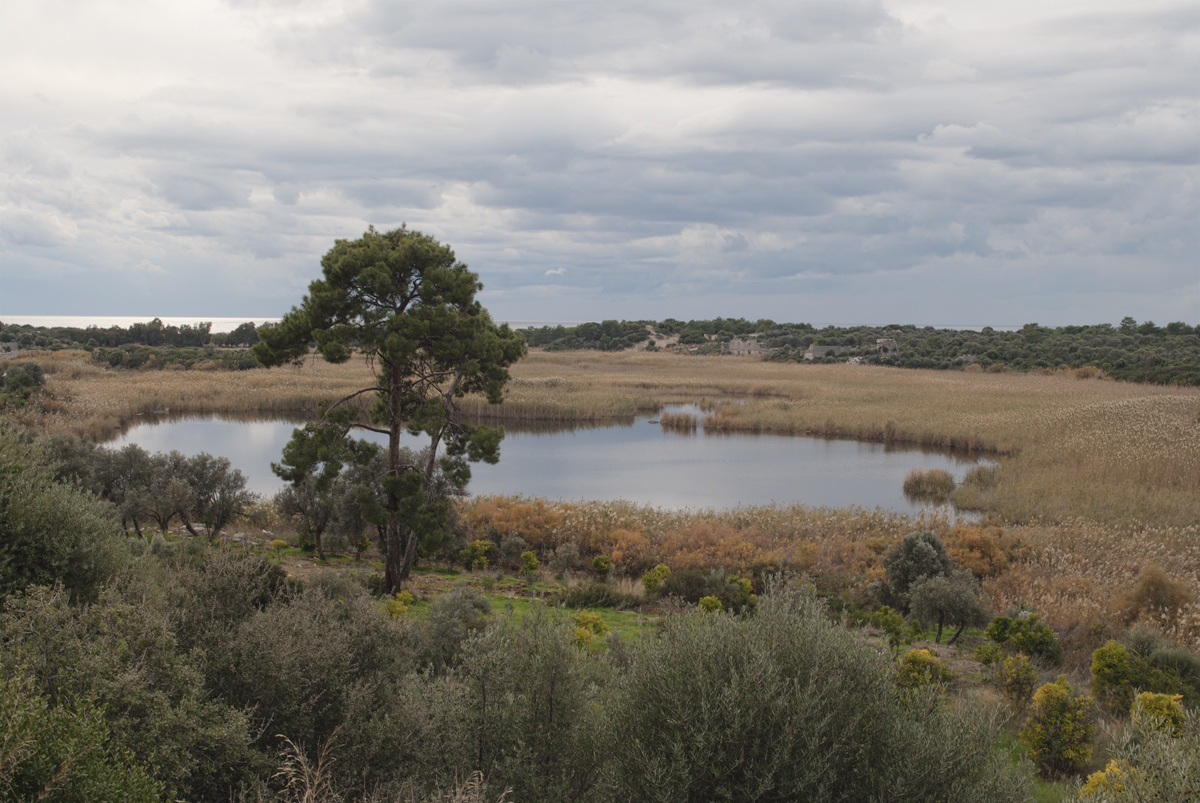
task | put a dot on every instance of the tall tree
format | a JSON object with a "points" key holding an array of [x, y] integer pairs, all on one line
{"points": [[401, 299]]}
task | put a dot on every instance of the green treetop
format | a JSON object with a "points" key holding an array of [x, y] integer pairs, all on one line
{"points": [[401, 299]]}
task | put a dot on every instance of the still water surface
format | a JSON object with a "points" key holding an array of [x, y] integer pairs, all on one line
{"points": [[637, 461]]}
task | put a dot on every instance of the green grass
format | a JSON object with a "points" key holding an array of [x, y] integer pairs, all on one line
{"points": [[433, 570], [1043, 791], [630, 624]]}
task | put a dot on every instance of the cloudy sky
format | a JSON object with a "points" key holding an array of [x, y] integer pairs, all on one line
{"points": [[812, 160]]}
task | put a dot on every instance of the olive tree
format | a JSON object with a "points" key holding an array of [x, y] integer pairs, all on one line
{"points": [[401, 299], [918, 555], [948, 599]]}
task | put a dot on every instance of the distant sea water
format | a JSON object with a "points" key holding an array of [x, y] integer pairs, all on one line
{"points": [[218, 324], [229, 324]]}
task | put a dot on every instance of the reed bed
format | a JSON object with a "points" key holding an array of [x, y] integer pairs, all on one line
{"points": [[1080, 574], [1077, 573], [929, 483], [678, 422], [99, 402], [1113, 452]]}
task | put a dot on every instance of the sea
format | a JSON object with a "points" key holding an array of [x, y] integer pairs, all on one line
{"points": [[225, 324], [219, 324]]}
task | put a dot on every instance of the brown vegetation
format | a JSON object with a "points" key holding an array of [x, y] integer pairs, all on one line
{"points": [[1114, 452], [1080, 575], [1097, 480]]}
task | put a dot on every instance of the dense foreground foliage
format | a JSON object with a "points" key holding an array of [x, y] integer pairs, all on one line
{"points": [[201, 674]]}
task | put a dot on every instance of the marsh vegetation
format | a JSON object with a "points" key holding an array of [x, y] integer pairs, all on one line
{"points": [[1086, 563]]}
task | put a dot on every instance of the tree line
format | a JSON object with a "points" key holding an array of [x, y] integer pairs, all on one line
{"points": [[151, 333], [1129, 351]]}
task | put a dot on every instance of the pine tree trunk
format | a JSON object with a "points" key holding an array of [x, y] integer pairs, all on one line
{"points": [[394, 573]]}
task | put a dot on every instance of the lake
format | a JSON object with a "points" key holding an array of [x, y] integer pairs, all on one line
{"points": [[637, 461]]}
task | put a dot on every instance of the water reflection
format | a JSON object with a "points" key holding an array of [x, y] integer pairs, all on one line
{"points": [[634, 460]]}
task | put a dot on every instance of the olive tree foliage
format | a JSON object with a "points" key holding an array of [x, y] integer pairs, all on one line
{"points": [[918, 555], [160, 487], [59, 754], [403, 300], [948, 599], [122, 656], [50, 532], [787, 705]]}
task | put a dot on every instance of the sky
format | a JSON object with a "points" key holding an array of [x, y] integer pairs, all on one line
{"points": [[853, 161]]}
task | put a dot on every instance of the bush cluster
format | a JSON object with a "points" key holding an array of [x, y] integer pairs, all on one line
{"points": [[1026, 633], [1118, 673], [203, 492]]}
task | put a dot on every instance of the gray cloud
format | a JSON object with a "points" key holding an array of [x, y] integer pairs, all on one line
{"points": [[794, 160]]}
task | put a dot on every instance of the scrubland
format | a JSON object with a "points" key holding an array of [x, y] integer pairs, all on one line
{"points": [[1091, 519], [1098, 479]]}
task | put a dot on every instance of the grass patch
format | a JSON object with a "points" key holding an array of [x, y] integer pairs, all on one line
{"points": [[442, 570]]}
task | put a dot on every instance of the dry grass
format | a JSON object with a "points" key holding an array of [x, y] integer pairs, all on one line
{"points": [[932, 483], [1113, 452], [100, 401], [1078, 574]]}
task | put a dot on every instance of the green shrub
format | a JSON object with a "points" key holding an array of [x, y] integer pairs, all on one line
{"points": [[1017, 678], [397, 606], [1117, 673], [1059, 729], [602, 564], [1149, 763], [951, 599], [893, 626], [566, 556], [1179, 661], [122, 657], [918, 556], [1158, 712], [452, 618], [321, 669], [475, 556], [1026, 633], [692, 584], [653, 577], [511, 551], [63, 755], [588, 626], [51, 532], [529, 565], [1145, 639], [921, 668], [988, 654], [709, 605], [521, 708], [787, 705]]}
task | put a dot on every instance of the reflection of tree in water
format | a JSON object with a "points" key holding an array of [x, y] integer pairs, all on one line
{"points": [[532, 427]]}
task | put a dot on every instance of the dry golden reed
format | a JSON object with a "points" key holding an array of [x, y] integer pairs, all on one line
{"points": [[1113, 452]]}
